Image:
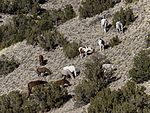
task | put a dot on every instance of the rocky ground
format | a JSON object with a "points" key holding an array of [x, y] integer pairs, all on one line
{"points": [[87, 31]]}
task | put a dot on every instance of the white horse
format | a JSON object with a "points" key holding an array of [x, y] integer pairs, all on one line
{"points": [[101, 44], [104, 24], [84, 51], [72, 69], [119, 26], [67, 73], [108, 67]]}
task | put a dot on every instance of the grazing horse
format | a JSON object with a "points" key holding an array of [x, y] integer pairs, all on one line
{"points": [[119, 26], [67, 73], [42, 61], [101, 44], [84, 51], [62, 82], [44, 70], [104, 24], [108, 67], [34, 83], [72, 69]]}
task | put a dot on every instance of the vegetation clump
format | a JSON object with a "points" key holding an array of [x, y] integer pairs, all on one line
{"points": [[114, 41], [8, 66], [19, 6], [44, 98], [148, 40], [95, 80], [90, 8], [125, 16], [60, 16], [141, 67], [130, 1], [129, 99], [31, 27], [71, 50]]}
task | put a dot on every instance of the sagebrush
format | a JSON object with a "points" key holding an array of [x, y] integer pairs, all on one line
{"points": [[95, 80], [141, 67], [126, 16], [129, 99], [43, 98]]}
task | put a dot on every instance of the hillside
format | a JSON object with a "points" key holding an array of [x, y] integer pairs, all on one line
{"points": [[88, 31]]}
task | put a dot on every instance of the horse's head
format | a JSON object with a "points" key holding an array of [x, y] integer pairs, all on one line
{"points": [[82, 50], [90, 50]]}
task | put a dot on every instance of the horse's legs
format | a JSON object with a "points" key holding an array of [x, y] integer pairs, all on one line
{"points": [[85, 54], [80, 55], [118, 30], [100, 47], [105, 30]]}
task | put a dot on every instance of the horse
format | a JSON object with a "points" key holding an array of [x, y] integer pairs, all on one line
{"points": [[67, 73], [101, 44], [108, 67], [85, 50], [34, 83], [104, 24], [63, 82], [42, 61], [119, 26], [72, 69], [44, 70]]}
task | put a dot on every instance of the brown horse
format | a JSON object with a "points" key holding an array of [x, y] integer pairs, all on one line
{"points": [[44, 70], [42, 61], [34, 83], [62, 82]]}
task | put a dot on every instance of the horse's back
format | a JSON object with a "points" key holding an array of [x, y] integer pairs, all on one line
{"points": [[37, 82], [107, 66], [71, 68]]}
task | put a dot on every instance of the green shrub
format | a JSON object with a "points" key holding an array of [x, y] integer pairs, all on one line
{"points": [[114, 41], [62, 15], [130, 1], [31, 26], [141, 67], [43, 98], [148, 40], [95, 81], [125, 16], [11, 103], [7, 66], [54, 95], [69, 12], [129, 99], [71, 50], [41, 1], [18, 6], [85, 90], [90, 8], [48, 40], [16, 32]]}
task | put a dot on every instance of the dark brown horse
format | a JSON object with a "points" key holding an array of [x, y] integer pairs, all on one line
{"points": [[44, 70], [63, 82], [42, 61], [34, 83]]}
